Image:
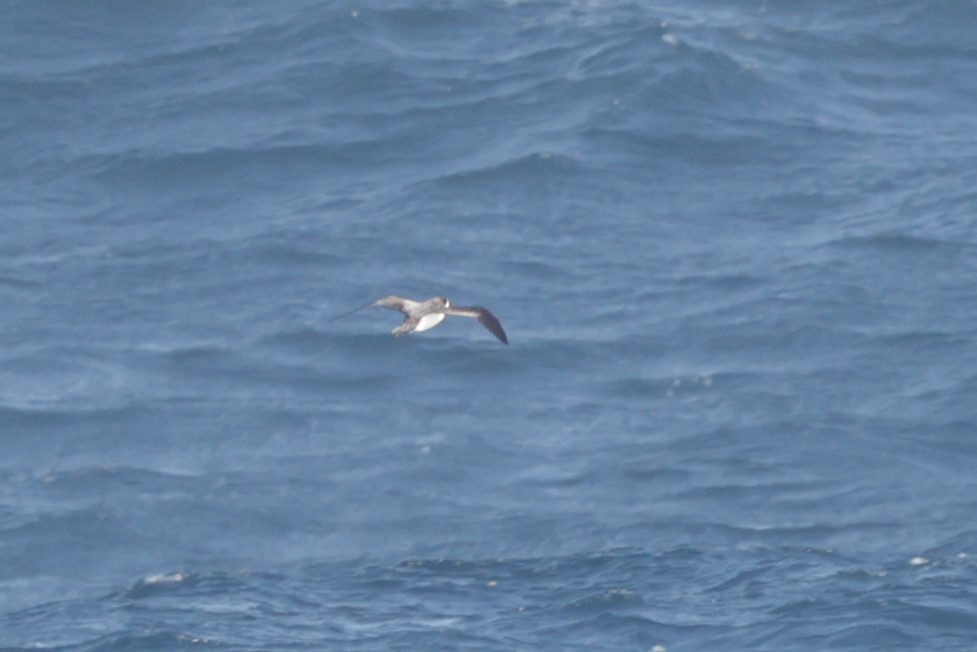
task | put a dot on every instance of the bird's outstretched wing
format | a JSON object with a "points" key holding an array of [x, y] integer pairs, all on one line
{"points": [[354, 310], [484, 317], [390, 303]]}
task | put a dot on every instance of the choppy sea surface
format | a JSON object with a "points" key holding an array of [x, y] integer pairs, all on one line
{"points": [[733, 245]]}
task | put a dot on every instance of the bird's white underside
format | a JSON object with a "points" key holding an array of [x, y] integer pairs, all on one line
{"points": [[427, 322]]}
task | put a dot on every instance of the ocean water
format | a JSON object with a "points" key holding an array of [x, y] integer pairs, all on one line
{"points": [[733, 245]]}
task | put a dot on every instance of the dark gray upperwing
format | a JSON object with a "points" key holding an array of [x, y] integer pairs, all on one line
{"points": [[484, 317]]}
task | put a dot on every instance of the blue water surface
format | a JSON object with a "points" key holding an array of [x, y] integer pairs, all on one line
{"points": [[732, 243]]}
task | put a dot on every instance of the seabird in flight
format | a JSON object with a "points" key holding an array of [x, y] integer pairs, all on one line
{"points": [[425, 315]]}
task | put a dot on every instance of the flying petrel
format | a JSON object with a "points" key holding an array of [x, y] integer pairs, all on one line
{"points": [[425, 315]]}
